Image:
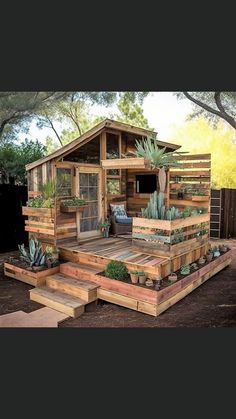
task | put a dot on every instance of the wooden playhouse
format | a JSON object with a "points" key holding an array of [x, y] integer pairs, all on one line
{"points": [[99, 167]]}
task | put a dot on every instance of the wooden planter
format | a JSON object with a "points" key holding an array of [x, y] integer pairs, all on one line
{"points": [[200, 198], [72, 208], [39, 212], [146, 237], [40, 220], [35, 278]]}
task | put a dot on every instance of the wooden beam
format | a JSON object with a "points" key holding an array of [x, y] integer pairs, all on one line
{"points": [[129, 163]]}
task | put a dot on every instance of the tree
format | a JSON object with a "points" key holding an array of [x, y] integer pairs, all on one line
{"points": [[130, 111], [213, 105], [17, 109], [198, 136], [14, 157]]}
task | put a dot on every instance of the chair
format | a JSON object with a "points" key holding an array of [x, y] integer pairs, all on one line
{"points": [[121, 223]]}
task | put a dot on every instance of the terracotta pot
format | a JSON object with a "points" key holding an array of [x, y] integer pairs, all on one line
{"points": [[149, 283], [173, 277], [142, 279], [134, 278], [209, 257]]}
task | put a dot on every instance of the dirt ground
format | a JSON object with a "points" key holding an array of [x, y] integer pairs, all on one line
{"points": [[213, 304]]}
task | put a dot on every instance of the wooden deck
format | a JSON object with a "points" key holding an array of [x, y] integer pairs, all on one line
{"points": [[98, 253]]}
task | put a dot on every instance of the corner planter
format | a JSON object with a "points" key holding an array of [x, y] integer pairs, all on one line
{"points": [[38, 212], [200, 198], [72, 208], [35, 278]]}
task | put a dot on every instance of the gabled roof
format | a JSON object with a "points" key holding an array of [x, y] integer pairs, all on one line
{"points": [[107, 123]]}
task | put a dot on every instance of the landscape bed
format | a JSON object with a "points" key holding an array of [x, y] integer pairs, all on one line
{"points": [[144, 299], [19, 271]]}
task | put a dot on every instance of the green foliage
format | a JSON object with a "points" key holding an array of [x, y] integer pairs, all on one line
{"points": [[200, 192], [131, 112], [104, 223], [199, 136], [202, 210], [74, 201], [116, 270], [13, 159], [49, 189], [185, 270], [134, 272], [17, 109], [34, 256], [158, 157], [36, 202], [156, 210], [186, 212]]}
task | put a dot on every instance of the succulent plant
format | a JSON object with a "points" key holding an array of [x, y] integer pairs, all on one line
{"points": [[194, 266], [185, 270], [34, 256]]}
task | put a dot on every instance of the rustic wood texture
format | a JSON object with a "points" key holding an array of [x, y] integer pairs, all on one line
{"points": [[87, 291], [29, 277]]}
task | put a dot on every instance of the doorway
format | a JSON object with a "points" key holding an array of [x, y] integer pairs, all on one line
{"points": [[89, 188]]}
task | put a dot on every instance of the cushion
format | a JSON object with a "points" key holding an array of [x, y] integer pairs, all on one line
{"points": [[118, 209], [123, 220]]}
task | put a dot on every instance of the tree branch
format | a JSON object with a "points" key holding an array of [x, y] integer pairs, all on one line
{"points": [[54, 129], [220, 113]]}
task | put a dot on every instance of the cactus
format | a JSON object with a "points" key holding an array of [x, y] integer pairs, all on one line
{"points": [[156, 209], [35, 256], [162, 212]]}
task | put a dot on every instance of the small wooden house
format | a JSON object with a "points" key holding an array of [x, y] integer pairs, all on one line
{"points": [[99, 167], [81, 170]]}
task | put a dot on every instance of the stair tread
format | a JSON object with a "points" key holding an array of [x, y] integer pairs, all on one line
{"points": [[83, 266], [58, 296], [78, 283]]}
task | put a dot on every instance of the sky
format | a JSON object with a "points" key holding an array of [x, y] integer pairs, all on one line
{"points": [[164, 113]]}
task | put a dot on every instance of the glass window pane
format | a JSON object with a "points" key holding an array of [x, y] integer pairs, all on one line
{"points": [[64, 180], [93, 179], [84, 179], [112, 146], [93, 193], [84, 193]]}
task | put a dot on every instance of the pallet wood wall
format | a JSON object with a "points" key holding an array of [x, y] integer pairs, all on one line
{"points": [[195, 174]]}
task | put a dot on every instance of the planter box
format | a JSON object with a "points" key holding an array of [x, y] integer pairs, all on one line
{"points": [[200, 198], [73, 208], [146, 234], [35, 278], [40, 220], [39, 212]]}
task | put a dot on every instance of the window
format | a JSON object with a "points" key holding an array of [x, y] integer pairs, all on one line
{"points": [[113, 186], [146, 183], [39, 177], [64, 181], [87, 153], [113, 152]]}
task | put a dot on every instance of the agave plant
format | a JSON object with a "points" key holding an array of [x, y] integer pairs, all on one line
{"points": [[158, 157], [34, 256]]}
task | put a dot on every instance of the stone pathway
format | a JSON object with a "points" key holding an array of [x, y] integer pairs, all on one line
{"points": [[44, 317]]}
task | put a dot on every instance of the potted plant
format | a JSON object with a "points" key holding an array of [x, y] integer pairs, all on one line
{"points": [[216, 251], [185, 270], [201, 260], [209, 256], [172, 277], [149, 282], [104, 226], [223, 248], [194, 266], [141, 277], [134, 276], [73, 204]]}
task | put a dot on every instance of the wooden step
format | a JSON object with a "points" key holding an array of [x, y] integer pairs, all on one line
{"points": [[87, 291], [79, 271], [59, 301]]}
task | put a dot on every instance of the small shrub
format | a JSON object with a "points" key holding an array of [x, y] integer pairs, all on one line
{"points": [[116, 270]]}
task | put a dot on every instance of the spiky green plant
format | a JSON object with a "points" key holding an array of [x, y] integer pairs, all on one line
{"points": [[34, 256], [158, 157]]}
